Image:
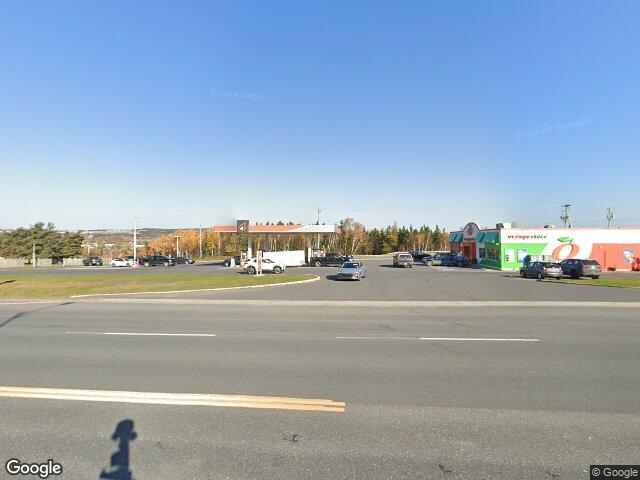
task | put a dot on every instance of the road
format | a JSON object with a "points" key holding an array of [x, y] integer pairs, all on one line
{"points": [[425, 393]]}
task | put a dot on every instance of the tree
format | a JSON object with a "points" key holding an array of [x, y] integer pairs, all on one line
{"points": [[49, 242]]}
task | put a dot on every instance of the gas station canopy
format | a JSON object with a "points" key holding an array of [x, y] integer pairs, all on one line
{"points": [[276, 229]]}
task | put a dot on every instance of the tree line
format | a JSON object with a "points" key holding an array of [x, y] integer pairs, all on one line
{"points": [[353, 238], [49, 242]]}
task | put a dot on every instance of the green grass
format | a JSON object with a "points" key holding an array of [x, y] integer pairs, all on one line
{"points": [[633, 282], [55, 286]]}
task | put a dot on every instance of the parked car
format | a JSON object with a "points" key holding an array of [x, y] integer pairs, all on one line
{"points": [[119, 262], [237, 259], [92, 261], [184, 261], [448, 260], [251, 266], [157, 260], [541, 270], [129, 258], [577, 268], [351, 271], [330, 259], [403, 260], [419, 256]]}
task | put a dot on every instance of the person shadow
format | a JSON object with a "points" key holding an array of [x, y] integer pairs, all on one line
{"points": [[120, 468]]}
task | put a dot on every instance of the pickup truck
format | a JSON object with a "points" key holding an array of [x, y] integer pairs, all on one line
{"points": [[157, 260], [330, 259]]}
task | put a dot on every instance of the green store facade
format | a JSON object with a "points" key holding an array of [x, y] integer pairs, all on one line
{"points": [[507, 248]]}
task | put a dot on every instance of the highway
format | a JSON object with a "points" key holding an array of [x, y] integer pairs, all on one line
{"points": [[301, 391]]}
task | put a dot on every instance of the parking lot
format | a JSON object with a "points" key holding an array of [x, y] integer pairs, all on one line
{"points": [[384, 282]]}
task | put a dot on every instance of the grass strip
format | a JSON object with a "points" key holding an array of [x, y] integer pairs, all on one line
{"points": [[61, 286], [633, 282]]}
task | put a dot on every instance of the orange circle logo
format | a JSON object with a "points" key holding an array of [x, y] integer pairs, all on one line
{"points": [[572, 253]]}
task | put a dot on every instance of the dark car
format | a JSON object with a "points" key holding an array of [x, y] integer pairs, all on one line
{"points": [[541, 270], [403, 260], [184, 261], [157, 260], [237, 259], [448, 260], [92, 262], [420, 256], [330, 259], [577, 268]]}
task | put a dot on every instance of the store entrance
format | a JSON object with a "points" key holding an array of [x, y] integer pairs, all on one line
{"points": [[469, 251]]}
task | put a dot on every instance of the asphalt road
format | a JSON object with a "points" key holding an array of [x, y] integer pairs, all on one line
{"points": [[426, 395]]}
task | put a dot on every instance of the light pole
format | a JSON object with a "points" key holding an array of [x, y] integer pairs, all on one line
{"points": [[200, 239], [177, 245], [318, 223], [135, 238]]}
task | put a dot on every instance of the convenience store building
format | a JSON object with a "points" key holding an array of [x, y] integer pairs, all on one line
{"points": [[507, 248]]}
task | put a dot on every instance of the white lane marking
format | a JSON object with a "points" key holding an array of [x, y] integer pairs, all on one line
{"points": [[366, 303], [297, 282], [193, 399], [377, 338], [145, 334], [457, 339], [445, 339]]}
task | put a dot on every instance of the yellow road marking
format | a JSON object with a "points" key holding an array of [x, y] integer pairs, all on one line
{"points": [[194, 399]]}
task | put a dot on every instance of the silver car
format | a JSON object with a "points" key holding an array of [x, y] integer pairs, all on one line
{"points": [[351, 271], [541, 270]]}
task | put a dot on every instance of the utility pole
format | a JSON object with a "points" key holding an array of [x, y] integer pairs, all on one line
{"points": [[200, 239], [33, 255], [177, 245], [135, 238], [610, 216], [565, 217]]}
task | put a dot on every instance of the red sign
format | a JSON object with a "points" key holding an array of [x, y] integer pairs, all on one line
{"points": [[259, 263], [242, 226]]}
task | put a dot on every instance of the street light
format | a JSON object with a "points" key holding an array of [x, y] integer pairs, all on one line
{"points": [[177, 245]]}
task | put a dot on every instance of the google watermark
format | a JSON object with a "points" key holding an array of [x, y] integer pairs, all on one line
{"points": [[236, 94], [556, 127], [42, 470]]}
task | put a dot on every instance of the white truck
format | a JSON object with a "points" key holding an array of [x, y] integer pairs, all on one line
{"points": [[289, 258]]}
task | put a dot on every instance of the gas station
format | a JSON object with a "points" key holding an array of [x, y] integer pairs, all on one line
{"points": [[243, 227]]}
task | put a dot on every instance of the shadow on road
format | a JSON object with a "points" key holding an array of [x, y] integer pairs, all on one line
{"points": [[22, 314], [120, 468]]}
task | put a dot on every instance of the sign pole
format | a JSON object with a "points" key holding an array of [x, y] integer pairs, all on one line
{"points": [[259, 263]]}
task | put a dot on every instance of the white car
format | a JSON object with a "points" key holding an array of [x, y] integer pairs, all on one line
{"points": [[119, 262], [251, 266]]}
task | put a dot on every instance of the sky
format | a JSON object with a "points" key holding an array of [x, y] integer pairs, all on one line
{"points": [[200, 113]]}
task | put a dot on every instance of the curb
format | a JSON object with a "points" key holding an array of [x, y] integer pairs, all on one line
{"points": [[297, 282], [566, 282]]}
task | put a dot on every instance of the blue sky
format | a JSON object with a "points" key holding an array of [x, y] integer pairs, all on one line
{"points": [[188, 113]]}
